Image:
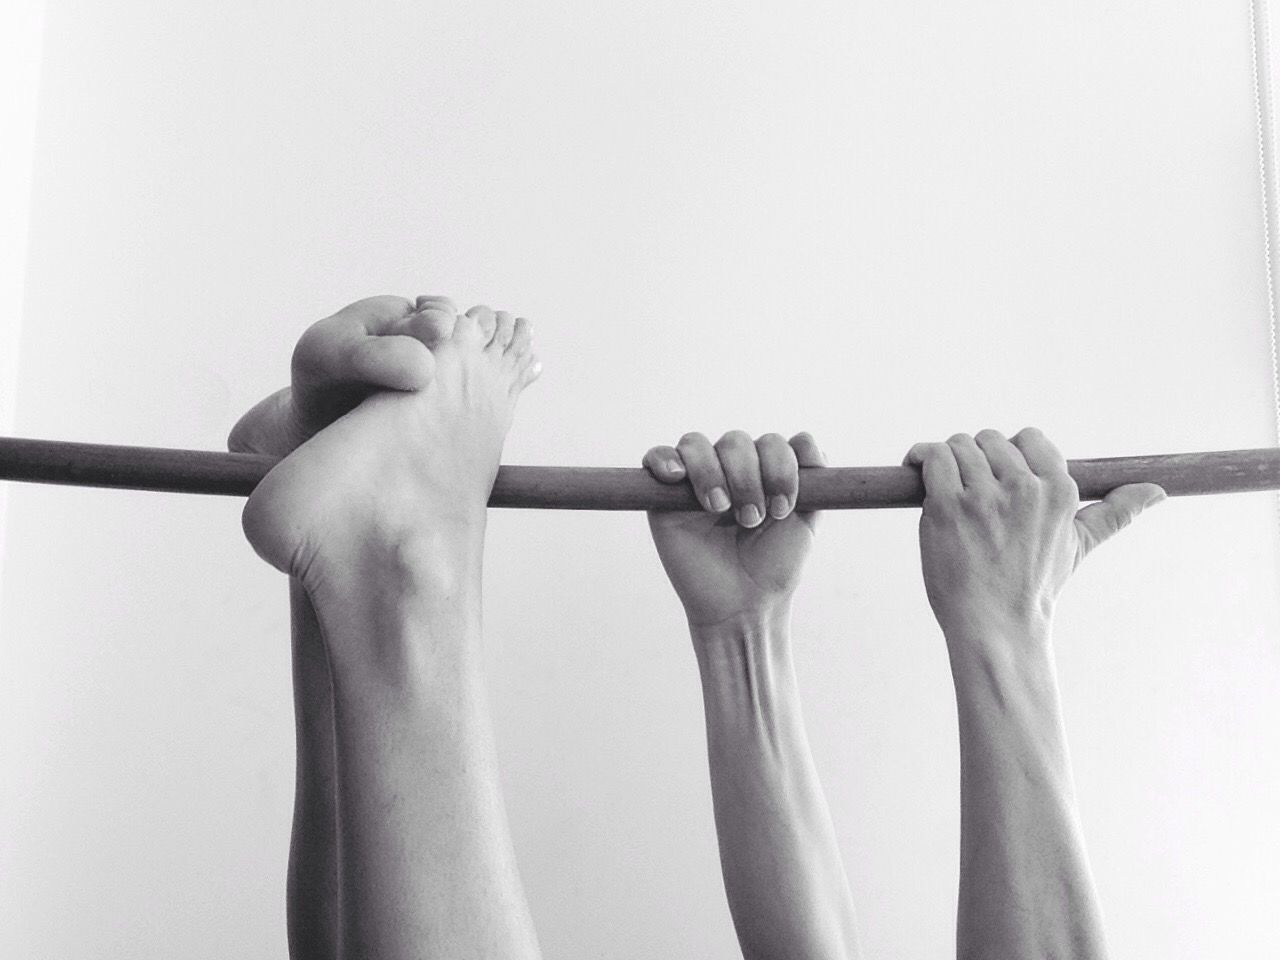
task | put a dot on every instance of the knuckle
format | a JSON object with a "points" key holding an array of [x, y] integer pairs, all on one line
{"points": [[692, 439], [942, 506], [980, 497], [988, 435], [1063, 489], [1023, 485], [958, 438], [771, 439]]}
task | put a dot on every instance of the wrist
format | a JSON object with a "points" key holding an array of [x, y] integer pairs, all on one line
{"points": [[766, 629], [981, 626], [1000, 658], [745, 652]]}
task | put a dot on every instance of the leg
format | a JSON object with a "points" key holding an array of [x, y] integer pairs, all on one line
{"points": [[381, 516], [364, 347], [313, 905]]}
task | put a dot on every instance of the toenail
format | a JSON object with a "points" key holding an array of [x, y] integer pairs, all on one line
{"points": [[749, 515], [718, 500], [779, 506]]}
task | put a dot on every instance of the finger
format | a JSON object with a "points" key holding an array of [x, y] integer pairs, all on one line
{"points": [[741, 466], [779, 474], [971, 461], [1100, 521], [1041, 455], [502, 332], [703, 466], [808, 454], [1047, 463], [938, 468], [665, 464], [1004, 459]]}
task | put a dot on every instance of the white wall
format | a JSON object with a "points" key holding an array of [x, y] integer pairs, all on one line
{"points": [[20, 46], [880, 222]]}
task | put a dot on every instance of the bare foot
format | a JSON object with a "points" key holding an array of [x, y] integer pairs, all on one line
{"points": [[379, 343], [400, 469]]}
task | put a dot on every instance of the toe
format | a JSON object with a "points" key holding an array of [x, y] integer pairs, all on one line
{"points": [[503, 332], [521, 338], [374, 315], [529, 370], [431, 301], [430, 325], [393, 362], [484, 322]]}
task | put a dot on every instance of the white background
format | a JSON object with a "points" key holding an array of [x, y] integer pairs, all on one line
{"points": [[879, 222]]}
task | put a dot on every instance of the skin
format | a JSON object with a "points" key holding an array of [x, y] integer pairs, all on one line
{"points": [[735, 567], [396, 762], [1000, 533], [392, 726]]}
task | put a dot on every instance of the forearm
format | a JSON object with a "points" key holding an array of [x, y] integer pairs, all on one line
{"points": [[427, 868], [1025, 885], [783, 875]]}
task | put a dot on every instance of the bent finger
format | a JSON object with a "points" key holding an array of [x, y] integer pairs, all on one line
{"points": [[1041, 455], [705, 475], [1004, 459], [741, 466], [664, 463], [938, 469], [779, 474]]}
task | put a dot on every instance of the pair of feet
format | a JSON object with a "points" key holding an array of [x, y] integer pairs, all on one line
{"points": [[392, 432]]}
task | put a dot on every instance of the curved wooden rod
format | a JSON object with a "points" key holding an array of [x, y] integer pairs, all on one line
{"points": [[614, 488]]}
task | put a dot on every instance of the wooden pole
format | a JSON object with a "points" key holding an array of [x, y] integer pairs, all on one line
{"points": [[613, 488]]}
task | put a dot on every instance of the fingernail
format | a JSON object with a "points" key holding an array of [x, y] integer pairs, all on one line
{"points": [[671, 466], [718, 500], [779, 506], [749, 515]]}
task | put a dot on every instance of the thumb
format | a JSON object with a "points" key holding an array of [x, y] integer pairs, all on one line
{"points": [[1103, 520]]}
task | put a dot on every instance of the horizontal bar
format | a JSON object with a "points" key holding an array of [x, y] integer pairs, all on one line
{"points": [[614, 488]]}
